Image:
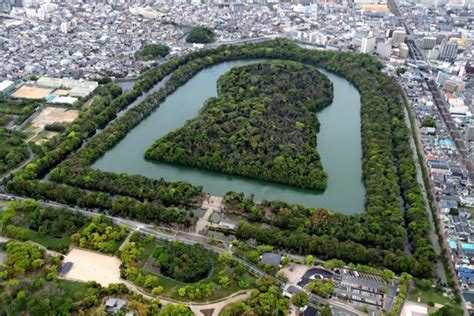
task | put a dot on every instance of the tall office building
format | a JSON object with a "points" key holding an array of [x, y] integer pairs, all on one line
{"points": [[429, 42], [404, 50], [448, 51], [384, 49], [398, 36], [367, 44]]}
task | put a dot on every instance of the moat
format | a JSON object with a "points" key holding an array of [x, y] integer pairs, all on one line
{"points": [[339, 145]]}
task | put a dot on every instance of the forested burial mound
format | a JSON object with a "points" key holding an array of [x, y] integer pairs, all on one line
{"points": [[262, 125]]}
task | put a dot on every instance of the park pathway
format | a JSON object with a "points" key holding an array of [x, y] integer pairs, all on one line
{"points": [[210, 204]]}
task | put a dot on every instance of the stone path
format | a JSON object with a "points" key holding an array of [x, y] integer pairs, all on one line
{"points": [[211, 204]]}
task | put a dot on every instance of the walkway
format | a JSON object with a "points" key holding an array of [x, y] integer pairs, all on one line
{"points": [[217, 307], [195, 307], [211, 204]]}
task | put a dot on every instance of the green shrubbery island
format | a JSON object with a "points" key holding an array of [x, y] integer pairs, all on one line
{"points": [[262, 125]]}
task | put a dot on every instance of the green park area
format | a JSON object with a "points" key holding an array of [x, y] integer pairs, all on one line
{"points": [[423, 292], [162, 268]]}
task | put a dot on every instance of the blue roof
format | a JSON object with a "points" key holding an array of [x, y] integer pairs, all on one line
{"points": [[51, 97], [452, 244], [467, 246], [446, 143]]}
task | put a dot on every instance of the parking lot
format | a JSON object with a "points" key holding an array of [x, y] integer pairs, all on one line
{"points": [[315, 274], [364, 289], [358, 288]]}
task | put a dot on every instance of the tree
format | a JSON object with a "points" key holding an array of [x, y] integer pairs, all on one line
{"points": [[185, 263], [157, 290], [321, 288], [325, 311], [429, 122], [285, 260], [449, 310], [225, 258], [300, 299], [309, 260], [200, 34], [252, 101], [425, 284], [175, 310], [153, 51], [401, 70], [224, 280]]}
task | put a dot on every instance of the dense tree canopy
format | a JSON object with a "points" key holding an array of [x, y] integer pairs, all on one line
{"points": [[21, 259], [267, 300], [185, 263], [200, 34], [153, 51], [12, 150], [100, 235], [263, 125], [47, 221]]}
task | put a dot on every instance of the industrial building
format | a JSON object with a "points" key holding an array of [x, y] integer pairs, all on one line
{"points": [[6, 88], [77, 88]]}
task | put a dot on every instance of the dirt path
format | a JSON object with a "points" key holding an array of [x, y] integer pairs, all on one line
{"points": [[195, 307], [217, 307], [125, 241]]}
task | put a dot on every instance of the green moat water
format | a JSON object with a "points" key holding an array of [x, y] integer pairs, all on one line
{"points": [[339, 144]]}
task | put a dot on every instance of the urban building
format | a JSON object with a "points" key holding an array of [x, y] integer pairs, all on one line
{"points": [[404, 50], [384, 49], [6, 87], [429, 42], [368, 44], [7, 5], [398, 36], [448, 51]]}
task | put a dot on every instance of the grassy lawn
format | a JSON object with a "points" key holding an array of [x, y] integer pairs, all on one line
{"points": [[71, 287], [148, 251], [50, 242], [431, 295], [227, 310], [3, 204], [471, 210]]}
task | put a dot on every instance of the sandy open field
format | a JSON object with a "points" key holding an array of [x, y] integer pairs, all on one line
{"points": [[414, 309], [377, 8], [61, 92], [294, 272], [53, 115], [93, 266], [26, 92]]}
